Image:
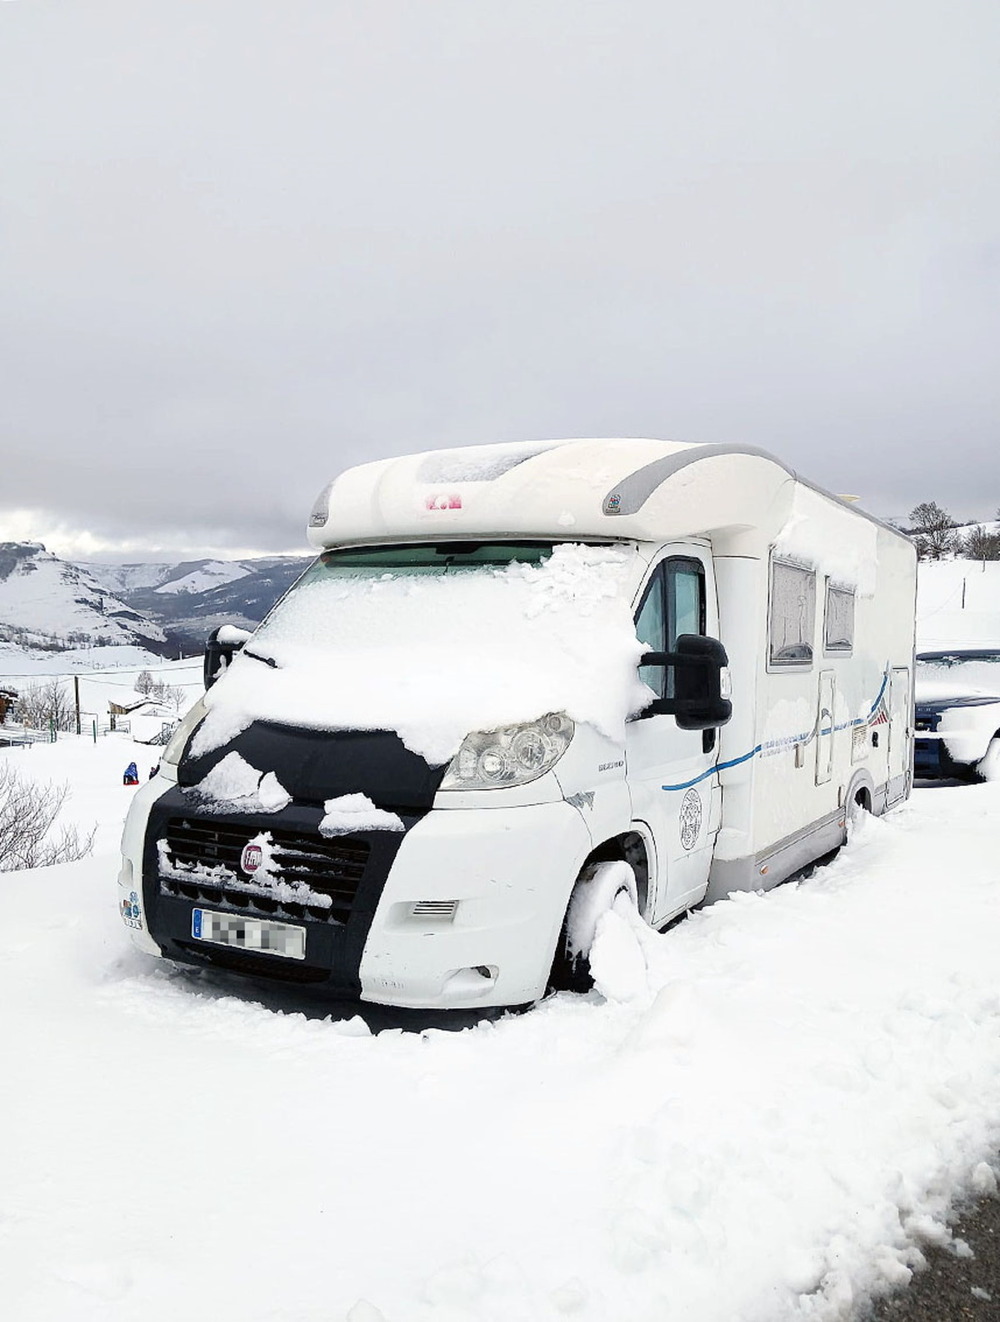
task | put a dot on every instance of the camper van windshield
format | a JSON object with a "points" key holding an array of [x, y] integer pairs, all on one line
{"points": [[365, 595], [439, 558], [438, 639]]}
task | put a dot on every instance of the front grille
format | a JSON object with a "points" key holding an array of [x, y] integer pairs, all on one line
{"points": [[311, 877]]}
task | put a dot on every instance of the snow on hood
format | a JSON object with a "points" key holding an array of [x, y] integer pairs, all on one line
{"points": [[356, 812], [435, 657], [943, 690], [235, 784]]}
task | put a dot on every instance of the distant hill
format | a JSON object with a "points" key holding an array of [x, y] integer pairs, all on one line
{"points": [[48, 604], [190, 599]]}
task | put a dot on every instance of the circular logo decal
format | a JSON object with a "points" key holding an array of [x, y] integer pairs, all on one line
{"points": [[251, 858], [690, 819]]}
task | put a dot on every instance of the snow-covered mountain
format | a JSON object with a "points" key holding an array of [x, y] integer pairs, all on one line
{"points": [[189, 576], [189, 599], [48, 603], [122, 579]]}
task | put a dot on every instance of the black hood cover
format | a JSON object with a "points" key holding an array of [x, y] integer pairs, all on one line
{"points": [[316, 765]]}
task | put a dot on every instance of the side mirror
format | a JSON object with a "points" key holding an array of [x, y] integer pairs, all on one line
{"points": [[223, 644], [697, 700]]}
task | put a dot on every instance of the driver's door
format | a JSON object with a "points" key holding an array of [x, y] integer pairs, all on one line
{"points": [[671, 775]]}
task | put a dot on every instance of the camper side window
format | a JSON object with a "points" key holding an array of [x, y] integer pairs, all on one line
{"points": [[792, 615], [838, 632]]}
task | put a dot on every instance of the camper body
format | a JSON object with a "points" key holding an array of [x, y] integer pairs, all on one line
{"points": [[453, 894]]}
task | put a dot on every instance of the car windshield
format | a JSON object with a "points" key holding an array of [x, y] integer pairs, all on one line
{"points": [[952, 671]]}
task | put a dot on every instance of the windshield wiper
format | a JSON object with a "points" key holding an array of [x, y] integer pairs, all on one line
{"points": [[256, 656]]}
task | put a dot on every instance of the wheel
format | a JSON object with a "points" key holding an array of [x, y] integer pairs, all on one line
{"points": [[989, 767], [859, 806], [598, 888]]}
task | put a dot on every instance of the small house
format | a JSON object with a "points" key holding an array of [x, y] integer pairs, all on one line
{"points": [[8, 703]]}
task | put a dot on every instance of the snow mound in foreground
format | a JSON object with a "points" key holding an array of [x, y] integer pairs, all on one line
{"points": [[768, 1110]]}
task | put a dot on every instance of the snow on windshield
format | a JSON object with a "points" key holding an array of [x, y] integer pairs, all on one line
{"points": [[434, 655], [952, 676]]}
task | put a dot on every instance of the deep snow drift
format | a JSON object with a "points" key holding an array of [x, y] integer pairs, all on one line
{"points": [[779, 1099]]}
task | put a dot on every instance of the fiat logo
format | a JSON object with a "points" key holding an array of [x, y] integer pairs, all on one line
{"points": [[251, 858]]}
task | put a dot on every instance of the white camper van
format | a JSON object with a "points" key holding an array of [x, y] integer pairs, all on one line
{"points": [[517, 681]]}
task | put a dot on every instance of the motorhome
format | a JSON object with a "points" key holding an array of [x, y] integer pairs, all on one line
{"points": [[520, 684]]}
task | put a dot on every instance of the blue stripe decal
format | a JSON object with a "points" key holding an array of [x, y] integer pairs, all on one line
{"points": [[787, 741], [719, 766]]}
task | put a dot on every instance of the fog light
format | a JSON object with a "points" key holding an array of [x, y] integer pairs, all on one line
{"points": [[469, 982]]}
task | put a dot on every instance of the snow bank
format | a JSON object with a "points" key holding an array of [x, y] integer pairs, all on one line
{"points": [[771, 1113], [436, 657]]}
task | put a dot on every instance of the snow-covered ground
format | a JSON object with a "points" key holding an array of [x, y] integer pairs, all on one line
{"points": [[759, 1120], [958, 604], [17, 661]]}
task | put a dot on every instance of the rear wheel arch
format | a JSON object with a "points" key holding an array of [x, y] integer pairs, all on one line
{"points": [[860, 795]]}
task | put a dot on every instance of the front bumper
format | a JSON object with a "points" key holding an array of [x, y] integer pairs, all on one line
{"points": [[462, 910], [509, 873]]}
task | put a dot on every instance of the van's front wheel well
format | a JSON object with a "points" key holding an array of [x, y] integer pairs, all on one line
{"points": [[631, 849]]}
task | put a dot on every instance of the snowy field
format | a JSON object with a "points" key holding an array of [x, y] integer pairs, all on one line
{"points": [[760, 1120]]}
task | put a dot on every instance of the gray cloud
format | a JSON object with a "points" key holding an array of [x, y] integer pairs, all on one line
{"points": [[248, 244]]}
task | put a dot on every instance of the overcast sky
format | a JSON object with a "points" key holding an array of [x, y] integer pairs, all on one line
{"points": [[245, 245]]}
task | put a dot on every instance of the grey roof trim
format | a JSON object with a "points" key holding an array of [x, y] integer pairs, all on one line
{"points": [[629, 495]]}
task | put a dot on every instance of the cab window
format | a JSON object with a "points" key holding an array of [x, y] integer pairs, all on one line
{"points": [[673, 604]]}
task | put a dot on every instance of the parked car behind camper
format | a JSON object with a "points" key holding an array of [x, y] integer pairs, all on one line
{"points": [[518, 681], [958, 714]]}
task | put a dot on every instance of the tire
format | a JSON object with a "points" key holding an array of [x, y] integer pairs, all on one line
{"points": [[988, 767], [598, 888], [860, 805]]}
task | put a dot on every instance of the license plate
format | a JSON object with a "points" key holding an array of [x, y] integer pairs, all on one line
{"points": [[257, 934]]}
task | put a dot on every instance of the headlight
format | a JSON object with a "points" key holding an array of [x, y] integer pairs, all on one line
{"points": [[493, 759], [178, 740]]}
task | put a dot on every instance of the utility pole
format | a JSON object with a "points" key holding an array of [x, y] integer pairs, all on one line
{"points": [[76, 694]]}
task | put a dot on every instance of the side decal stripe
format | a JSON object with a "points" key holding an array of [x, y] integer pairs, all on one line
{"points": [[786, 741]]}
